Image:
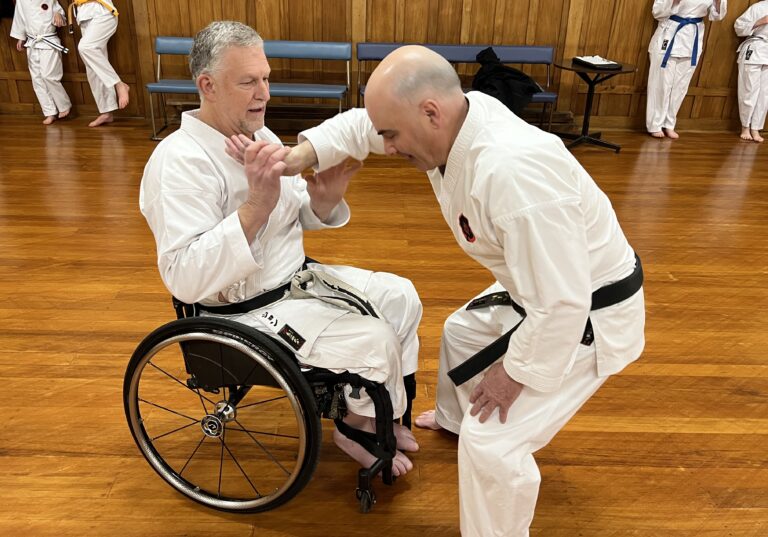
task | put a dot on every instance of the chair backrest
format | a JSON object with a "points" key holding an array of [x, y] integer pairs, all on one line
{"points": [[312, 50], [173, 45]]}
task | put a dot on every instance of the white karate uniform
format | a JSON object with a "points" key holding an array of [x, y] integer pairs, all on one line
{"points": [[32, 22], [667, 86], [97, 26], [753, 66], [190, 194], [533, 217]]}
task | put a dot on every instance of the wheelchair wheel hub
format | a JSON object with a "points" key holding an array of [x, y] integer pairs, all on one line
{"points": [[213, 424]]}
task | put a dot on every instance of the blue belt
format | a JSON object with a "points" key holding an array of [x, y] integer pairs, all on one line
{"points": [[683, 22]]}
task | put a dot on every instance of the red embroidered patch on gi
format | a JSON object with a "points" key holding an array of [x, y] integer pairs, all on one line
{"points": [[464, 225], [44, 7]]}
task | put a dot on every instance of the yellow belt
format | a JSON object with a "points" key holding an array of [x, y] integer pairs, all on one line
{"points": [[76, 3]]}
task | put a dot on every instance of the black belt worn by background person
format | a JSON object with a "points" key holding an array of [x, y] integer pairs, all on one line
{"points": [[602, 298]]}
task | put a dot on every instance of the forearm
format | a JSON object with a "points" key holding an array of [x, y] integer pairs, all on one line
{"points": [[350, 134]]}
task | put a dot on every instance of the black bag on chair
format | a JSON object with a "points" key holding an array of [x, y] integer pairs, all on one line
{"points": [[511, 86]]}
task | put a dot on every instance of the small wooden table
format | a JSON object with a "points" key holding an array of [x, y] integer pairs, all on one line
{"points": [[592, 76]]}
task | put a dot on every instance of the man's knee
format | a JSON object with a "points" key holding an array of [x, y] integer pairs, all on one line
{"points": [[496, 452], [399, 296]]}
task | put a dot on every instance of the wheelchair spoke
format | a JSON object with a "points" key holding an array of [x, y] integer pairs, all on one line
{"points": [[197, 391], [240, 468], [192, 455], [264, 433], [265, 450], [174, 431], [167, 410], [262, 402], [221, 459]]}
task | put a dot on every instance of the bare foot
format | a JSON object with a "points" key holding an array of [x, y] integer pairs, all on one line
{"points": [[405, 439], [745, 134], [426, 420], [657, 134], [49, 119], [102, 119], [400, 464], [64, 114], [122, 90], [756, 136], [671, 134]]}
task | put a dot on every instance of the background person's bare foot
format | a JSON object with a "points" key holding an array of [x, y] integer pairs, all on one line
{"points": [[426, 420], [49, 119], [400, 464], [657, 134], [102, 119], [756, 136], [405, 439], [122, 90], [64, 114], [745, 134], [671, 134]]}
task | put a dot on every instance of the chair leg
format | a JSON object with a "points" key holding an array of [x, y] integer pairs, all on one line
{"points": [[551, 111]]}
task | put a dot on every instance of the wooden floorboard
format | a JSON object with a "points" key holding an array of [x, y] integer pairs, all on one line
{"points": [[673, 446]]}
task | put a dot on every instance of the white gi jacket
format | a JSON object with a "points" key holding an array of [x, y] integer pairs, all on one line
{"points": [[190, 193], [683, 48], [31, 21], [537, 221], [753, 50], [91, 10]]}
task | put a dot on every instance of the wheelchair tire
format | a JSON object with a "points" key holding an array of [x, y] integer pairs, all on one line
{"points": [[182, 407]]}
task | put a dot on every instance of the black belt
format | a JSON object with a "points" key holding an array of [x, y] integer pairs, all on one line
{"points": [[602, 298], [259, 301]]}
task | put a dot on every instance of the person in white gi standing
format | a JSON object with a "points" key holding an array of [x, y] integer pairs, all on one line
{"points": [[753, 69], [675, 50], [98, 23], [521, 205], [227, 234], [34, 26]]}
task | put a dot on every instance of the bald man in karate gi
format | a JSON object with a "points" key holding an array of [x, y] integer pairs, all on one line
{"points": [[519, 203]]}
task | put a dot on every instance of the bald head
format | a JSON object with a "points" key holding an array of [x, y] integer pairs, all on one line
{"points": [[412, 73], [415, 102]]}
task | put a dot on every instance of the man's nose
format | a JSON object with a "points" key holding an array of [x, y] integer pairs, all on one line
{"points": [[389, 148], [262, 91]]}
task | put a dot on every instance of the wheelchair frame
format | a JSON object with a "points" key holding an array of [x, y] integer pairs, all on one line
{"points": [[236, 381]]}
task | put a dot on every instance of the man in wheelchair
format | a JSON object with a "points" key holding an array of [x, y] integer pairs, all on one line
{"points": [[230, 238]]}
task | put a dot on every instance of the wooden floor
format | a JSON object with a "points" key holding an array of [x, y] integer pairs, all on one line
{"points": [[676, 445]]}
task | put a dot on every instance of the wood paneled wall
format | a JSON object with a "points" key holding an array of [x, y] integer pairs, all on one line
{"points": [[618, 29]]}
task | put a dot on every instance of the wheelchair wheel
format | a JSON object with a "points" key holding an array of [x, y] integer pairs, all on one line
{"points": [[223, 414]]}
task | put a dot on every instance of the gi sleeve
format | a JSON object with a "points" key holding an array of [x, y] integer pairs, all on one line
{"points": [[19, 25], [339, 217], [350, 134], [662, 9], [200, 250], [745, 24], [544, 241], [714, 14]]}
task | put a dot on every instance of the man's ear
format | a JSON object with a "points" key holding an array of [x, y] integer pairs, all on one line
{"points": [[206, 86], [431, 109]]}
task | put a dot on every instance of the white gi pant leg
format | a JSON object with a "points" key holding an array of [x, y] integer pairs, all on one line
{"points": [[46, 70], [398, 301], [667, 87], [753, 95], [102, 77], [464, 334], [498, 476]]}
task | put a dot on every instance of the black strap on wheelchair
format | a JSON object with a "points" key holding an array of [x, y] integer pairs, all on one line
{"points": [[602, 298]]}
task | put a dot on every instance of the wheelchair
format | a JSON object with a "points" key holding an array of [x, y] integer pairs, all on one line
{"points": [[229, 417]]}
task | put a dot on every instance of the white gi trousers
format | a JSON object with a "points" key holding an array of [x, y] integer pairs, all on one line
{"points": [[102, 77], [498, 476], [381, 350], [667, 87], [753, 95], [46, 70]]}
